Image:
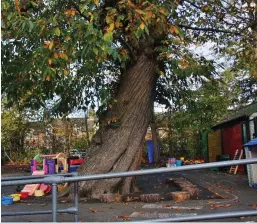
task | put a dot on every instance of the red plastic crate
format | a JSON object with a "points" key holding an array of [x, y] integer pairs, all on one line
{"points": [[77, 161]]}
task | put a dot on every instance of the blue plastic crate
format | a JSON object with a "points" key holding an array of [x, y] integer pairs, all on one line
{"points": [[6, 200]]}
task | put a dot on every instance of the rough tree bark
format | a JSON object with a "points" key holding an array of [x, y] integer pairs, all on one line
{"points": [[118, 149]]}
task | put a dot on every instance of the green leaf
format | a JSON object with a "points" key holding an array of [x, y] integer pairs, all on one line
{"points": [[181, 33], [23, 26], [31, 26], [57, 31], [95, 51], [108, 37]]}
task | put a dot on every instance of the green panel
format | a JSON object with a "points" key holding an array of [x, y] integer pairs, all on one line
{"points": [[204, 145]]}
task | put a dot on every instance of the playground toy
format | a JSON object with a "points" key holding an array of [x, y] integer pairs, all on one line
{"points": [[39, 193], [6, 200], [24, 195], [16, 197], [51, 164], [46, 188], [30, 188]]}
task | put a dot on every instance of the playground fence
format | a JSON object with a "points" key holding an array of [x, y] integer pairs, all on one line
{"points": [[58, 179]]}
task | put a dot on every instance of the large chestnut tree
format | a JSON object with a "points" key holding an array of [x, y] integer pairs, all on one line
{"points": [[128, 53]]}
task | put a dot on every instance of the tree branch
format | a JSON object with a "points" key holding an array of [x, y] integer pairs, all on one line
{"points": [[193, 4], [208, 29], [126, 45], [78, 10]]}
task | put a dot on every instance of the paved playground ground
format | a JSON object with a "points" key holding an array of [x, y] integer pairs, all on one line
{"points": [[219, 192]]}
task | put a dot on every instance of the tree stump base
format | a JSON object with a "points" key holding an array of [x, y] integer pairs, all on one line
{"points": [[150, 197], [180, 196], [109, 198], [193, 191], [169, 181]]}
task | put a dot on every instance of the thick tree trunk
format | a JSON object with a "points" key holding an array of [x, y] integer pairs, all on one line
{"points": [[87, 131], [118, 149]]}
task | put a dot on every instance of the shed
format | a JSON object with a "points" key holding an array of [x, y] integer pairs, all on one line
{"points": [[236, 129], [251, 152]]}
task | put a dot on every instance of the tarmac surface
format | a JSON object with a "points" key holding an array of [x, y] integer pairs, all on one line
{"points": [[219, 192]]}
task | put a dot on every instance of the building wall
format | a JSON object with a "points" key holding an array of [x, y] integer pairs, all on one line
{"points": [[232, 140]]}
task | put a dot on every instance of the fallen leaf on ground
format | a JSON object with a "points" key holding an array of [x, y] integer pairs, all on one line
{"points": [[95, 211], [124, 217], [42, 205], [64, 201], [253, 205], [219, 205]]}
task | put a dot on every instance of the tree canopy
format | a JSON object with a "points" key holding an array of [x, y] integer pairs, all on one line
{"points": [[77, 51]]}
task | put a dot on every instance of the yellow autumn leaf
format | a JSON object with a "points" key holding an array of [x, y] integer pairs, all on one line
{"points": [[73, 12], [56, 55], [46, 45], [91, 16], [70, 12], [51, 45], [142, 26], [50, 61], [66, 72], [67, 38], [150, 14], [173, 29], [99, 59], [57, 31], [139, 11], [48, 78], [163, 11], [124, 52], [63, 56], [110, 28], [118, 24], [109, 19], [96, 2], [161, 73]]}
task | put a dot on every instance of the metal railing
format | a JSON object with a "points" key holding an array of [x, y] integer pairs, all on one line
{"points": [[63, 178]]}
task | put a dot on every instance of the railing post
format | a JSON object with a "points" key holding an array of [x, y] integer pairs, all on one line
{"points": [[54, 201], [76, 201]]}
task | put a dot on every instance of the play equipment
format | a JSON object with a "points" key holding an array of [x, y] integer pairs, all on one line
{"points": [[24, 195], [30, 188], [16, 197], [51, 163], [6, 200], [39, 193], [46, 188]]}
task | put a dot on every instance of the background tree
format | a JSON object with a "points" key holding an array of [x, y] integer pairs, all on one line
{"points": [[14, 128], [120, 51]]}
